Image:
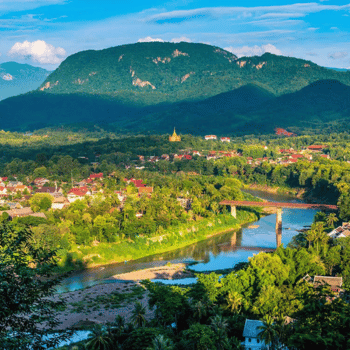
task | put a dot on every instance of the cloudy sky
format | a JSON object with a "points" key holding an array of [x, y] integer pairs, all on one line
{"points": [[44, 32]]}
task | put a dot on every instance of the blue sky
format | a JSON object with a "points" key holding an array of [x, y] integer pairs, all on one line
{"points": [[44, 32]]}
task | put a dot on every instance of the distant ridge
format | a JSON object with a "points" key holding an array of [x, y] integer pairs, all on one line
{"points": [[16, 78], [198, 88]]}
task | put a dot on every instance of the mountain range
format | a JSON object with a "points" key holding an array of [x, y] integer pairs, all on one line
{"points": [[16, 78], [197, 88]]}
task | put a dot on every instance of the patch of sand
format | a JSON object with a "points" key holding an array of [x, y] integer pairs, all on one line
{"points": [[172, 272], [83, 310]]}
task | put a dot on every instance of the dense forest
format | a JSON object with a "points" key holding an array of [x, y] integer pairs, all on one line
{"points": [[148, 87]]}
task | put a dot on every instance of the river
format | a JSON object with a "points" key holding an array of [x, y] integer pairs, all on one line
{"points": [[213, 254]]}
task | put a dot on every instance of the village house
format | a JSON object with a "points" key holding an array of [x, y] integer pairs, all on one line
{"points": [[196, 153], [40, 181], [54, 191], [26, 211], [3, 191], [316, 148], [210, 137], [225, 139], [341, 231], [165, 157], [178, 156], [335, 283], [251, 334], [98, 176], [60, 203], [78, 193]]}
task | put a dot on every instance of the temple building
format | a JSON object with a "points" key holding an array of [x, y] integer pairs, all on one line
{"points": [[174, 137]]}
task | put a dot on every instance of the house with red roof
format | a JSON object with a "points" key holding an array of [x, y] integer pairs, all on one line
{"points": [[316, 148], [187, 157], [225, 139], [96, 176], [78, 193]]}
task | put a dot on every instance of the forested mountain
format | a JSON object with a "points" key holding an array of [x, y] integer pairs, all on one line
{"points": [[197, 88], [150, 73], [16, 78]]}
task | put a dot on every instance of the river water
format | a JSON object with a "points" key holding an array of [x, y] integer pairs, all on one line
{"points": [[214, 254]]}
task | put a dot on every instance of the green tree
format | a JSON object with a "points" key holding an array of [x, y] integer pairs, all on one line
{"points": [[41, 201], [99, 339], [138, 315], [160, 342], [26, 285], [267, 332]]}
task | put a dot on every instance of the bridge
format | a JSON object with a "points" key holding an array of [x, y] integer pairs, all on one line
{"points": [[278, 206]]}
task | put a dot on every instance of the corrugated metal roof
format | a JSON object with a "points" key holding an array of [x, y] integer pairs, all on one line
{"points": [[251, 328]]}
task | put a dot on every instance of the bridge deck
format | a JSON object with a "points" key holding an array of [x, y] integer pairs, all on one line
{"points": [[279, 205]]}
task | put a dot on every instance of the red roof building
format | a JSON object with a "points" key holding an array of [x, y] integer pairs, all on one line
{"points": [[316, 148], [96, 176]]}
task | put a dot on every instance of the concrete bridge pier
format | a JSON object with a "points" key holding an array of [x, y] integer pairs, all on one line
{"points": [[233, 211], [234, 239], [278, 227]]}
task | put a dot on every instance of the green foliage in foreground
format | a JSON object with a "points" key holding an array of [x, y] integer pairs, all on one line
{"points": [[211, 313], [27, 311]]}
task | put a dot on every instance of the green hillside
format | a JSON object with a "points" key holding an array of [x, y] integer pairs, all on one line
{"points": [[151, 73], [197, 88], [325, 103]]}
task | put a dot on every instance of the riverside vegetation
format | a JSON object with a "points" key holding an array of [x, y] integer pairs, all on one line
{"points": [[211, 313]]}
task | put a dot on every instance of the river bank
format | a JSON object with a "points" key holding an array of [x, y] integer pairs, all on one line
{"points": [[298, 193], [84, 257]]}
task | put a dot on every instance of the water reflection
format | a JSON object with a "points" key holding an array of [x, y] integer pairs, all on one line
{"points": [[218, 252]]}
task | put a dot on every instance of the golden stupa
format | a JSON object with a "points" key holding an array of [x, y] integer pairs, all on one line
{"points": [[174, 137]]}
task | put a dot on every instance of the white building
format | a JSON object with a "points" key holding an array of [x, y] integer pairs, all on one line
{"points": [[210, 137], [225, 139], [251, 332], [341, 231]]}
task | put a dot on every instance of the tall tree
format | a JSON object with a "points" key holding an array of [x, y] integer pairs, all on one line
{"points": [[27, 311]]}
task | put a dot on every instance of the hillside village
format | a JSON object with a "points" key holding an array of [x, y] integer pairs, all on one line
{"points": [[16, 195]]}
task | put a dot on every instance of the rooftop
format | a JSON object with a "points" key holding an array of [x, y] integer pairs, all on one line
{"points": [[251, 328]]}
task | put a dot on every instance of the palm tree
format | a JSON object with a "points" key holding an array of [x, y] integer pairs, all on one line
{"points": [[234, 301], [331, 219], [99, 339], [199, 310], [219, 326], [161, 343], [268, 332], [138, 315]]}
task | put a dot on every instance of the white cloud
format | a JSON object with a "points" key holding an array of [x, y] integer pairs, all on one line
{"points": [[149, 39], [338, 55], [38, 51], [253, 50], [301, 9], [182, 38]]}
